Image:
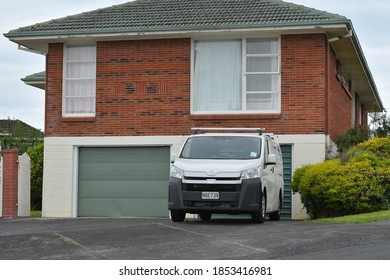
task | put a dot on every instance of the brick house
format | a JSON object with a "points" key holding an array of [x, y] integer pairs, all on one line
{"points": [[125, 84]]}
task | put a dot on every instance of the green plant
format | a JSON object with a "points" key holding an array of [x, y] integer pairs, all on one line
{"points": [[18, 135], [36, 156], [359, 183], [351, 138], [380, 124], [379, 146]]}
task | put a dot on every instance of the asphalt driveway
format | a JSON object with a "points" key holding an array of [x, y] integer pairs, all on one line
{"points": [[161, 239]]}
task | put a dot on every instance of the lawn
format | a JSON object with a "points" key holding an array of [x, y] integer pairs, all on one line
{"points": [[357, 219], [36, 214]]}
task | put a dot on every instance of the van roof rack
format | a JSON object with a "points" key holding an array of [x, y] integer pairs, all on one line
{"points": [[197, 130]]}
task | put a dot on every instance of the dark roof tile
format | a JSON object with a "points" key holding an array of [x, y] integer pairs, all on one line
{"points": [[172, 15]]}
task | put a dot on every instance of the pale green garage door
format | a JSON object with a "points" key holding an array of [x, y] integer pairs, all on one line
{"points": [[287, 175], [123, 182]]}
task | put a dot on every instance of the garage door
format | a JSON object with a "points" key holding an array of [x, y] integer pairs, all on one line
{"points": [[123, 182]]}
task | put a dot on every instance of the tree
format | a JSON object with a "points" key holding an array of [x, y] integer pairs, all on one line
{"points": [[380, 124], [15, 134]]}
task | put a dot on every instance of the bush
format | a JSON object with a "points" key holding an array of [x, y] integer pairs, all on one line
{"points": [[378, 146], [36, 156], [360, 183], [351, 138]]}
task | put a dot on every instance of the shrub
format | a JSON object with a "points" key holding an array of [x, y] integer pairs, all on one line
{"points": [[310, 180], [351, 138], [360, 183], [379, 146], [36, 156]]}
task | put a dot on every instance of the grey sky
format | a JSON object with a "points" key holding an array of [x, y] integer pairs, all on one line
{"points": [[17, 100]]}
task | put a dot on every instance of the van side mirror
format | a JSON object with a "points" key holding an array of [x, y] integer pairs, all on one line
{"points": [[173, 157], [271, 160]]}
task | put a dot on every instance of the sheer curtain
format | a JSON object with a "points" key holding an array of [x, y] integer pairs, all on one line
{"points": [[217, 76], [262, 74], [79, 80]]}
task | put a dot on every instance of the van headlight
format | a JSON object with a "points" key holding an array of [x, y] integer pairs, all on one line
{"points": [[177, 172], [250, 173]]}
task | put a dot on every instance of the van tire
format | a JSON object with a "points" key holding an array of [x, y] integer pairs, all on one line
{"points": [[205, 216], [275, 216], [178, 216], [259, 216]]}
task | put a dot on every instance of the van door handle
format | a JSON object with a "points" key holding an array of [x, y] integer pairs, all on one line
{"points": [[272, 169]]}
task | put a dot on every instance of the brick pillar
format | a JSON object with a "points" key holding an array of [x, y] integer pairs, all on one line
{"points": [[10, 184]]}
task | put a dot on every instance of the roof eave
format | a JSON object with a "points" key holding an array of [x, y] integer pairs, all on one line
{"points": [[38, 42], [36, 84], [358, 70], [367, 71], [67, 33]]}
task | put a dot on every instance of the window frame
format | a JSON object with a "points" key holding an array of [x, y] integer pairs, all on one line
{"points": [[66, 62], [244, 74]]}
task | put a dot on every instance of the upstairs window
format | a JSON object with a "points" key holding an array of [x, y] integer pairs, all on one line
{"points": [[236, 76], [79, 81]]}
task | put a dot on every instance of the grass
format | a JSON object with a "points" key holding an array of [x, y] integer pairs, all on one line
{"points": [[36, 214], [357, 219]]}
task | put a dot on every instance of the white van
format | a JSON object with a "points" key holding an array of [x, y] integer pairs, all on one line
{"points": [[227, 173]]}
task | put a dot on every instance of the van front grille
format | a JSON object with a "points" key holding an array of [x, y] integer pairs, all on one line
{"points": [[212, 187], [233, 204]]}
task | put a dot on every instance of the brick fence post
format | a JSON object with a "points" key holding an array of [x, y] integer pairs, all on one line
{"points": [[10, 184]]}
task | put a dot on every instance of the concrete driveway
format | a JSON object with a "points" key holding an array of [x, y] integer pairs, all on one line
{"points": [[161, 239]]}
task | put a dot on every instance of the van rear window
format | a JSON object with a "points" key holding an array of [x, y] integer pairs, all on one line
{"points": [[221, 147]]}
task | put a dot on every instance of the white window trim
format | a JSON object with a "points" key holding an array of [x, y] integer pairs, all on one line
{"points": [[243, 92], [64, 70]]}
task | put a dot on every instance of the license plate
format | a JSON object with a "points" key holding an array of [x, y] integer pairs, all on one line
{"points": [[210, 195]]}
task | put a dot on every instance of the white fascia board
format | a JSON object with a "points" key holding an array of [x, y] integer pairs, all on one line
{"points": [[29, 41], [186, 33]]}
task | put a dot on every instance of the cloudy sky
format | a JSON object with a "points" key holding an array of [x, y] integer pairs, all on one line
{"points": [[18, 101]]}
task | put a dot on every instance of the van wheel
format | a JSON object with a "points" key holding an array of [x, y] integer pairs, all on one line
{"points": [[205, 216], [178, 216], [259, 216], [275, 216]]}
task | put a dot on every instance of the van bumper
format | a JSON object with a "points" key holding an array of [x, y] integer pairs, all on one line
{"points": [[233, 199]]}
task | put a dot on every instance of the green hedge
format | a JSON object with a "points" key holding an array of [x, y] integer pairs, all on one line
{"points": [[36, 156], [358, 183]]}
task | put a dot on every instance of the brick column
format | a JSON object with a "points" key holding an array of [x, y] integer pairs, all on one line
{"points": [[10, 184]]}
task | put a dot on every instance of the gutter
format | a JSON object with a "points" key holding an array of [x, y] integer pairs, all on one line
{"points": [[60, 37], [173, 30]]}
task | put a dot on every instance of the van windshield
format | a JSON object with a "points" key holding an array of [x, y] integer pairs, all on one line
{"points": [[222, 147]]}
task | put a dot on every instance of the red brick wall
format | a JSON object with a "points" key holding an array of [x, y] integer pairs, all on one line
{"points": [[340, 102], [143, 88], [10, 184]]}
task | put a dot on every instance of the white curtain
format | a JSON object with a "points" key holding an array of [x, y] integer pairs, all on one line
{"points": [[262, 74], [217, 76], [80, 80]]}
